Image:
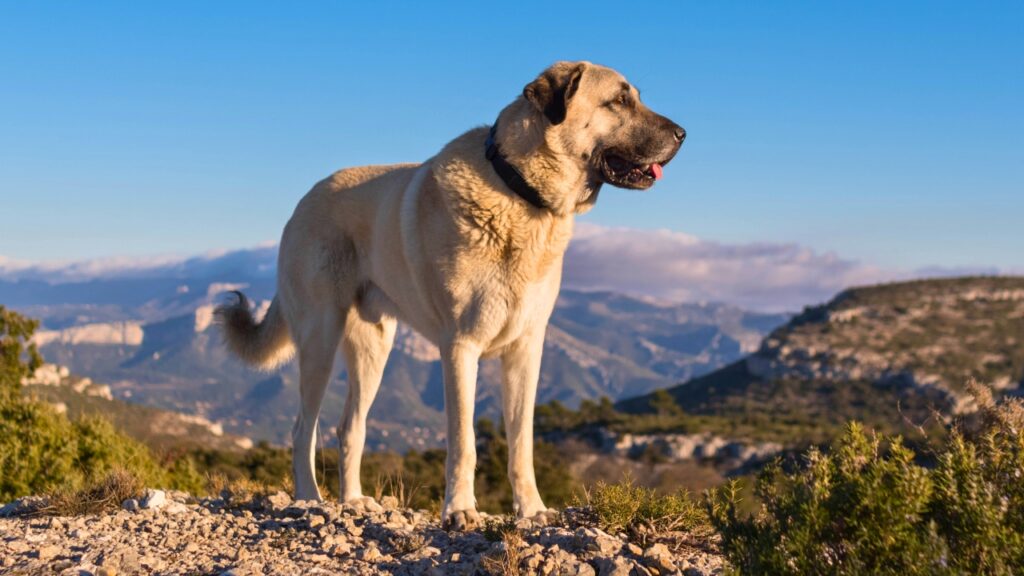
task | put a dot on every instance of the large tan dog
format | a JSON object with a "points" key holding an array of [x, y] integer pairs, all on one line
{"points": [[467, 249]]}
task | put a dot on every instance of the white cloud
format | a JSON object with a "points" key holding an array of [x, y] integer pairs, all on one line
{"points": [[681, 267], [258, 261], [661, 264]]}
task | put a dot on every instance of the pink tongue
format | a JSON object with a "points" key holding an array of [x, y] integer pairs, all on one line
{"points": [[656, 168]]}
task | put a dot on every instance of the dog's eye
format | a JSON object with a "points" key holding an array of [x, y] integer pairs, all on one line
{"points": [[624, 99]]}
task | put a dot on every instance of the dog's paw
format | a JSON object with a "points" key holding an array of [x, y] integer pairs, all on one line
{"points": [[462, 520], [364, 505], [541, 519]]}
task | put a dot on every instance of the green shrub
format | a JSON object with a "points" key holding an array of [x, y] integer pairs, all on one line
{"points": [[44, 451], [867, 507], [979, 490], [37, 450], [642, 512]]}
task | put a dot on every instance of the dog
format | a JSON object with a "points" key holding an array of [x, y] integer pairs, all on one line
{"points": [[466, 248]]}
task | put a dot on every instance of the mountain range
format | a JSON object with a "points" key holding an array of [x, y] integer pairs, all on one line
{"points": [[149, 335]]}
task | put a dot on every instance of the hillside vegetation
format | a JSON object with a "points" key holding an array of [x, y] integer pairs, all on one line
{"points": [[890, 356], [866, 507], [42, 450]]}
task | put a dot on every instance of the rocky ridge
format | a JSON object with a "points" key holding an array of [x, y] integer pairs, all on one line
{"points": [[931, 336], [730, 454], [79, 397], [173, 533]]}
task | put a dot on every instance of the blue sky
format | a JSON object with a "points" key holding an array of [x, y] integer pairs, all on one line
{"points": [[889, 133]]}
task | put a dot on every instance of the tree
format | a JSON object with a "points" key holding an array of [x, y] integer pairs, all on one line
{"points": [[664, 405], [19, 357]]}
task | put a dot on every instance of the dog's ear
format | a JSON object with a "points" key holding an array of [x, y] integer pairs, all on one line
{"points": [[551, 92]]}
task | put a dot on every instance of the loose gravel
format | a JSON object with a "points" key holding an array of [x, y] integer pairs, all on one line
{"points": [[173, 533]]}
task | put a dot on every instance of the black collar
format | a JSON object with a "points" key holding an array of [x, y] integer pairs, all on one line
{"points": [[511, 175]]}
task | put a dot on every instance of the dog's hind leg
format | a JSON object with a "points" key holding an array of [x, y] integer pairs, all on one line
{"points": [[317, 343], [365, 345]]}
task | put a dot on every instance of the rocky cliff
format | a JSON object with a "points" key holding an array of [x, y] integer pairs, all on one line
{"points": [[893, 356]]}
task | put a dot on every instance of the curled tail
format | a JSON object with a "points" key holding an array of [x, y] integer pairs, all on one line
{"points": [[265, 344]]}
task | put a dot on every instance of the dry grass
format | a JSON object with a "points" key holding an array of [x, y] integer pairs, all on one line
{"points": [[102, 495], [394, 485], [239, 490], [506, 562]]}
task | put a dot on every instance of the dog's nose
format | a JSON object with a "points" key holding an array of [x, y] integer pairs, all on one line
{"points": [[679, 133]]}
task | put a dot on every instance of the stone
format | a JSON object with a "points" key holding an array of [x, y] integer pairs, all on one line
{"points": [[18, 547], [580, 569], [23, 506], [389, 502], [316, 520], [47, 552], [594, 540], [369, 554], [532, 561], [175, 508], [153, 499], [277, 501], [659, 557], [617, 566], [424, 552]]}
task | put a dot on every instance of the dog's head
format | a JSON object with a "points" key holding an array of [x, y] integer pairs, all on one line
{"points": [[592, 115]]}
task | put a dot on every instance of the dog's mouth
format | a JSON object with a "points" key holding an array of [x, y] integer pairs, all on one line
{"points": [[619, 171]]}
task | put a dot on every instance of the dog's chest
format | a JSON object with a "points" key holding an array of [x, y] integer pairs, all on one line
{"points": [[515, 293], [504, 314]]}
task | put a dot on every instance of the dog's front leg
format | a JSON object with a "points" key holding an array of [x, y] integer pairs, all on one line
{"points": [[520, 370], [460, 362]]}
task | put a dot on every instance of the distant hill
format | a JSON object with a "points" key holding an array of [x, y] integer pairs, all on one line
{"points": [[159, 429], [886, 355]]}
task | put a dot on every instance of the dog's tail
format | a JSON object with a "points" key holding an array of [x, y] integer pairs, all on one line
{"points": [[264, 344]]}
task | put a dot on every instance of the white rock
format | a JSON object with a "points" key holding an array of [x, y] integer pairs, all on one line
{"points": [[154, 499]]}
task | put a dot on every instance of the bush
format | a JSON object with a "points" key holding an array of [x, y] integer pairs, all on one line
{"points": [[43, 451], [868, 508], [642, 512]]}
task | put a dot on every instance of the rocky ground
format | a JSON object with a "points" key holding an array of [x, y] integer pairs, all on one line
{"points": [[173, 533]]}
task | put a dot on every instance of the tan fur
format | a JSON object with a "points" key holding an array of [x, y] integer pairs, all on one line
{"points": [[446, 247]]}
